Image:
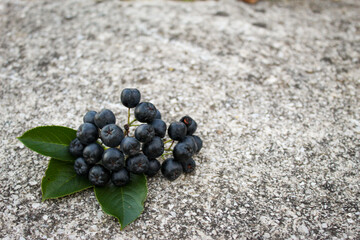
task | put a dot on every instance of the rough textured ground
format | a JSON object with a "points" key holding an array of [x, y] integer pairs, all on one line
{"points": [[273, 86]]}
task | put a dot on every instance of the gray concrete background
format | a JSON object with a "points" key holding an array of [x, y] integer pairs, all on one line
{"points": [[274, 87]]}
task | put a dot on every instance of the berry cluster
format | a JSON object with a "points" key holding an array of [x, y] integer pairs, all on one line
{"points": [[105, 152]]}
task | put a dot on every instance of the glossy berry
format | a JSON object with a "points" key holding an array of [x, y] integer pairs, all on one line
{"points": [[199, 143], [191, 142], [154, 167], [99, 176], [154, 148], [120, 178], [171, 169], [137, 164], [190, 123], [159, 127], [144, 133], [87, 133], [182, 151], [177, 131], [89, 117], [130, 97], [111, 135], [76, 148], [130, 146], [188, 165], [113, 159], [93, 153], [158, 114], [81, 167], [145, 112], [104, 117]]}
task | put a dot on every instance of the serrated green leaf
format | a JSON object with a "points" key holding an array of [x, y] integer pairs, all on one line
{"points": [[60, 180], [51, 141], [124, 203]]}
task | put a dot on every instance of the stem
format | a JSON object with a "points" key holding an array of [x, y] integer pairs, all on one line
{"points": [[164, 154], [168, 141], [129, 117], [134, 125], [171, 144], [132, 121]]}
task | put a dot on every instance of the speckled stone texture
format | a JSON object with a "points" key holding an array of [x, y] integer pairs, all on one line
{"points": [[274, 88]]}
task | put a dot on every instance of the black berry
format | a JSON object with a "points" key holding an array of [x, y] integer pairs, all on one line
{"points": [[199, 143], [159, 127], [158, 114], [144, 133], [130, 97], [120, 178], [104, 117], [111, 135], [99, 176], [113, 159], [137, 164], [154, 167], [87, 133], [182, 151], [81, 167], [190, 123], [89, 117], [145, 112], [130, 146], [171, 169], [76, 148], [177, 131], [191, 142], [93, 153], [154, 148], [188, 165]]}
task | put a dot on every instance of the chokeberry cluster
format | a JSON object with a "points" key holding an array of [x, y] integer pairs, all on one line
{"points": [[105, 152]]}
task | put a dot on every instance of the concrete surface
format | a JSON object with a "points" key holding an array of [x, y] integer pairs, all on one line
{"points": [[274, 87]]}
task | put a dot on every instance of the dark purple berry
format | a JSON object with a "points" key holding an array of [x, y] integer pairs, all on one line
{"points": [[89, 117], [188, 165], [130, 97], [177, 131], [137, 164], [104, 117], [159, 127], [99, 176], [144, 133], [154, 167], [81, 167], [130, 146], [87, 133], [111, 135], [120, 178], [190, 123], [171, 169], [76, 148], [182, 151], [154, 148], [113, 159], [145, 112], [199, 143], [93, 153]]}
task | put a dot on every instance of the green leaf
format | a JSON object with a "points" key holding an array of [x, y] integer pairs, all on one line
{"points": [[60, 180], [51, 141], [124, 203]]}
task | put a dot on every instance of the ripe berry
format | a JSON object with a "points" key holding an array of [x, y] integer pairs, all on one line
{"points": [[191, 142], [188, 165], [190, 123], [154, 167], [120, 178], [177, 131], [113, 159], [137, 164], [154, 148], [76, 148], [199, 143], [130, 146], [145, 112], [104, 117], [130, 97], [159, 127], [182, 151], [89, 117], [92, 153], [81, 167], [87, 133], [171, 169], [158, 114], [111, 135], [144, 133], [99, 176]]}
